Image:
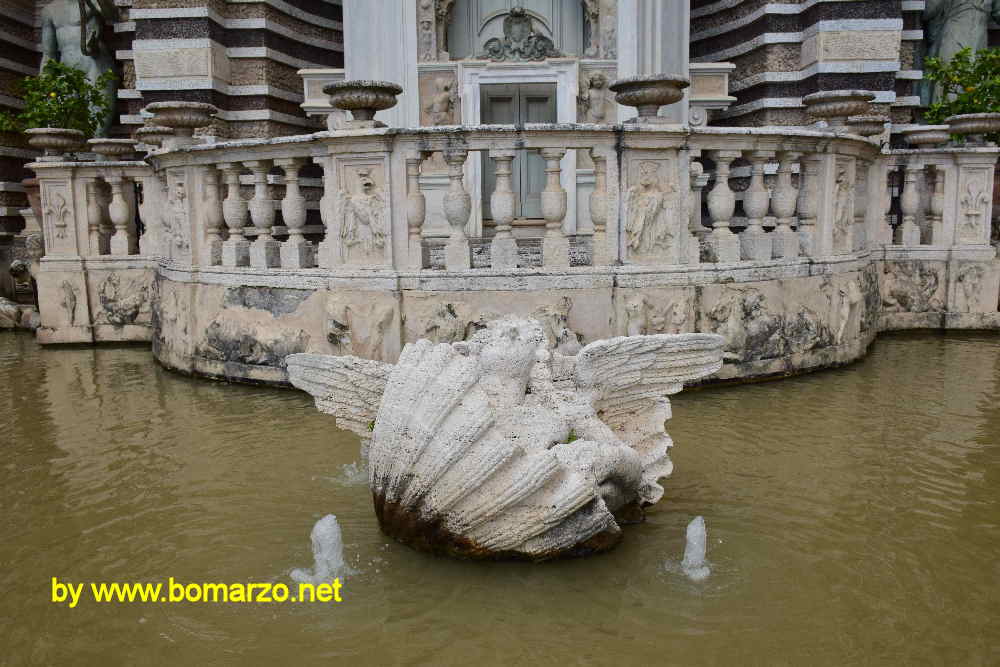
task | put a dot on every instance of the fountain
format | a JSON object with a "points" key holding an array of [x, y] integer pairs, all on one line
{"points": [[503, 447], [694, 564], [328, 553]]}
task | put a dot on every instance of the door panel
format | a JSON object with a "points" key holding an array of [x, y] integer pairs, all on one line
{"points": [[517, 104]]}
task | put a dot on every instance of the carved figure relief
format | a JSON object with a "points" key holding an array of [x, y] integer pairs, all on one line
{"points": [[592, 11], [911, 287], [848, 304], [69, 299], [442, 15], [843, 211], [647, 228], [750, 330], [974, 203], [520, 41], [362, 219], [360, 329], [176, 220], [427, 31], [644, 316], [609, 29], [595, 99], [122, 303], [441, 109], [967, 284], [554, 319]]}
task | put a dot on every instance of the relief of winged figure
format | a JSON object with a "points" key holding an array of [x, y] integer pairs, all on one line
{"points": [[499, 447], [647, 227]]}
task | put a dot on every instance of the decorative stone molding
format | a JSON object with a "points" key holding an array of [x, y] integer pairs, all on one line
{"points": [[520, 41]]}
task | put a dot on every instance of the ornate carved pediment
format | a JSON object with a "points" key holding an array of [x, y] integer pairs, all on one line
{"points": [[519, 41]]}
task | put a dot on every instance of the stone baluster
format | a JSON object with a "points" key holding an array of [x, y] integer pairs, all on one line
{"points": [[808, 205], [503, 248], [724, 246], [264, 251], [600, 255], [212, 218], [118, 211], [236, 249], [783, 200], [859, 239], [327, 250], [457, 207], [935, 212], [416, 213], [95, 219], [910, 203], [755, 243], [555, 244], [699, 179], [296, 252]]}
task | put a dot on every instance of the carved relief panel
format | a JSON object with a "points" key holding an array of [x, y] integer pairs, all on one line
{"points": [[975, 192], [843, 205], [58, 217], [362, 215], [654, 210]]}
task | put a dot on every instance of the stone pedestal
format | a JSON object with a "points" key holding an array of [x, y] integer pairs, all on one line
{"points": [[724, 246], [457, 255], [555, 251], [296, 255], [236, 253], [785, 244], [503, 253], [265, 254], [212, 253], [755, 245]]}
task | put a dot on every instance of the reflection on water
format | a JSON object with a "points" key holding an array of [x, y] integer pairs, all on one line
{"points": [[854, 517]]}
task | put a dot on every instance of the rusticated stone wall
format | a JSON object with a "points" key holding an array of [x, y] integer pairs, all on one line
{"points": [[243, 57], [784, 51]]}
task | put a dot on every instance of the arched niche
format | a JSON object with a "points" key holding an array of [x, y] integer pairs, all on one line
{"points": [[474, 22]]}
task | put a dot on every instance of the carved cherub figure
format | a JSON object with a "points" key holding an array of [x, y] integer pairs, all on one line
{"points": [[441, 108], [594, 98]]}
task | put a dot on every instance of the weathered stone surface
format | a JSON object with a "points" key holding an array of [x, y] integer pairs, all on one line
{"points": [[500, 447]]}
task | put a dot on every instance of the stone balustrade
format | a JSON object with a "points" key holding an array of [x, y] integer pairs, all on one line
{"points": [[391, 204]]}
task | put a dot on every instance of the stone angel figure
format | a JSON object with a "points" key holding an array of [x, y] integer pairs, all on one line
{"points": [[646, 227], [500, 447]]}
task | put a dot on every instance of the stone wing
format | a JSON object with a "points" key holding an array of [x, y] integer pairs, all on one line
{"points": [[628, 375], [349, 388]]}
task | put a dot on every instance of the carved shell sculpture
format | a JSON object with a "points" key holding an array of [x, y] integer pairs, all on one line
{"points": [[498, 448]]}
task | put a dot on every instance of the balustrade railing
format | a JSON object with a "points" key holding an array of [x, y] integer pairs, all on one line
{"points": [[412, 200]]}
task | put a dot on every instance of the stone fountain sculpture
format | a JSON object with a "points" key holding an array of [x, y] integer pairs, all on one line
{"points": [[499, 447]]}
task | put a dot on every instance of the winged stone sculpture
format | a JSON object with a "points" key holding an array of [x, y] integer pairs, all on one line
{"points": [[497, 447]]}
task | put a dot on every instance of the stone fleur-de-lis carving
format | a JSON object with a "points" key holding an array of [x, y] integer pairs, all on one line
{"points": [[974, 203], [57, 210]]}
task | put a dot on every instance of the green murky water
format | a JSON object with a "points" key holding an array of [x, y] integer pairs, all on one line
{"points": [[853, 516]]}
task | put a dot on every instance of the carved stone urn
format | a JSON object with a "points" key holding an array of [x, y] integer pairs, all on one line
{"points": [[926, 136], [113, 149], [648, 93], [974, 125], [867, 126], [183, 118], [55, 141], [834, 106], [363, 98], [153, 135]]}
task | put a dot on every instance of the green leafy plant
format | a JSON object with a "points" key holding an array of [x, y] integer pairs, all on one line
{"points": [[61, 96], [970, 83]]}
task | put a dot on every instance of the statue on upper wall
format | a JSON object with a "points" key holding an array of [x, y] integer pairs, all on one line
{"points": [[73, 33], [952, 25]]}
